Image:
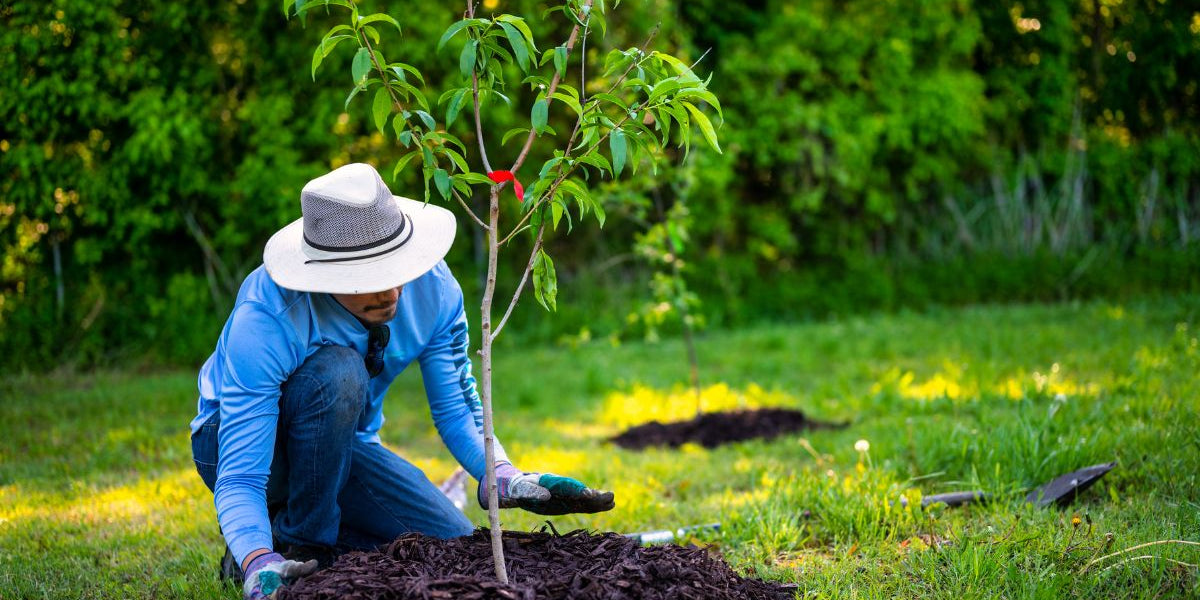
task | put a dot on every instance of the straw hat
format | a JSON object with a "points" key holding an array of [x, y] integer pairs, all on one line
{"points": [[355, 237]]}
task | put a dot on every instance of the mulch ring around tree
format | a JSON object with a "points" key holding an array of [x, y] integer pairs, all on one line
{"points": [[541, 566], [713, 429]]}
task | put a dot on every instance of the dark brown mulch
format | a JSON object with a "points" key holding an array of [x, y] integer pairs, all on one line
{"points": [[541, 566], [713, 429]]}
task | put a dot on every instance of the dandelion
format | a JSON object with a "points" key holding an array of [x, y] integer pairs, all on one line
{"points": [[862, 445]]}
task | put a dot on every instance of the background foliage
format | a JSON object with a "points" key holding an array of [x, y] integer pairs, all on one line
{"points": [[877, 155]]}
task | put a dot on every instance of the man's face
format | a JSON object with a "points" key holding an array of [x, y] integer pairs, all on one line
{"points": [[373, 309]]}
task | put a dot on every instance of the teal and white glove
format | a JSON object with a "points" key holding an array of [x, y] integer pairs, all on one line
{"points": [[269, 572], [545, 493]]}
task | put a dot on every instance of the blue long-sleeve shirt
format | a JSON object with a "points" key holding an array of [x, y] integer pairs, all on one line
{"points": [[271, 332]]}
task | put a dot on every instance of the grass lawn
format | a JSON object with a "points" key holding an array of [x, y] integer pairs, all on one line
{"points": [[98, 497]]}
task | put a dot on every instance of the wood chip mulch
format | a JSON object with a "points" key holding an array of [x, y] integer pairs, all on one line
{"points": [[713, 429], [541, 566]]}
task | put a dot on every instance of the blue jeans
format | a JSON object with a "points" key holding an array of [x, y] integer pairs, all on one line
{"points": [[328, 488]]}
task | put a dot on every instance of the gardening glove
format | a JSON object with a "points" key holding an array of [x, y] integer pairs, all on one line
{"points": [[269, 572], [545, 493]]}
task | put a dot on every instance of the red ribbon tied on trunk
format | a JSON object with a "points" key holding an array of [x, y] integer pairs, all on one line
{"points": [[502, 176]]}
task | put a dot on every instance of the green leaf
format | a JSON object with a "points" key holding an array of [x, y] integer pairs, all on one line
{"points": [[662, 120], [518, 45], [379, 17], [484, 94], [324, 48], [371, 33], [536, 81], [519, 23], [584, 198], [454, 29], [610, 98], [466, 60], [457, 159], [616, 144], [463, 187], [446, 138], [560, 60], [381, 107], [556, 213], [704, 95], [548, 165], [475, 178], [569, 101], [663, 88], [684, 71], [511, 132], [427, 162], [545, 281], [535, 221], [597, 160], [403, 162], [353, 92], [600, 214], [409, 90], [400, 126], [455, 106], [539, 115], [361, 66], [400, 68], [427, 119], [706, 127], [442, 179]]}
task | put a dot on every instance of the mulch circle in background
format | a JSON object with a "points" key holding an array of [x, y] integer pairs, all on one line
{"points": [[713, 429], [541, 566]]}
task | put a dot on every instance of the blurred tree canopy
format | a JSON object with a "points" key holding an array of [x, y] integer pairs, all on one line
{"points": [[877, 154]]}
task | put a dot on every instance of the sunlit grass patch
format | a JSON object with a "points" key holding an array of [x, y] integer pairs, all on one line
{"points": [[642, 404], [951, 383]]}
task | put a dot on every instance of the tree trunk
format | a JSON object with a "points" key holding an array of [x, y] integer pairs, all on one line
{"points": [[485, 388]]}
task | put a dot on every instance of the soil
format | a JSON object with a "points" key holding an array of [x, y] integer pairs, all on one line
{"points": [[713, 429], [541, 566]]}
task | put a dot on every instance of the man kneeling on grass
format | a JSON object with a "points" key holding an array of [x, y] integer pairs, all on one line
{"points": [[287, 435]]}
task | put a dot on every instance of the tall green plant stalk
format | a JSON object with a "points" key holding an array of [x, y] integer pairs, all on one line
{"points": [[643, 87]]}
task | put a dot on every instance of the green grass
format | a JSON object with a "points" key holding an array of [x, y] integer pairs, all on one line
{"points": [[98, 498]]}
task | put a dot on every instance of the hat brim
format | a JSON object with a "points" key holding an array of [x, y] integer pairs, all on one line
{"points": [[433, 234]]}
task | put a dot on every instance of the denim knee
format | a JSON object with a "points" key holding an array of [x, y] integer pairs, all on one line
{"points": [[333, 380]]}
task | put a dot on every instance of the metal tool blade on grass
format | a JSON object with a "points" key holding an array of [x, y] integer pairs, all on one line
{"points": [[1063, 490]]}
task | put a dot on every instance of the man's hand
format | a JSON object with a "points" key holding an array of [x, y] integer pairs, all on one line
{"points": [[269, 572], [545, 493]]}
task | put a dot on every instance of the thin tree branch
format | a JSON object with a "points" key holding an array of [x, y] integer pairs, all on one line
{"points": [[574, 37], [645, 46], [487, 165], [582, 69], [479, 122], [467, 208], [537, 245], [382, 74]]}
